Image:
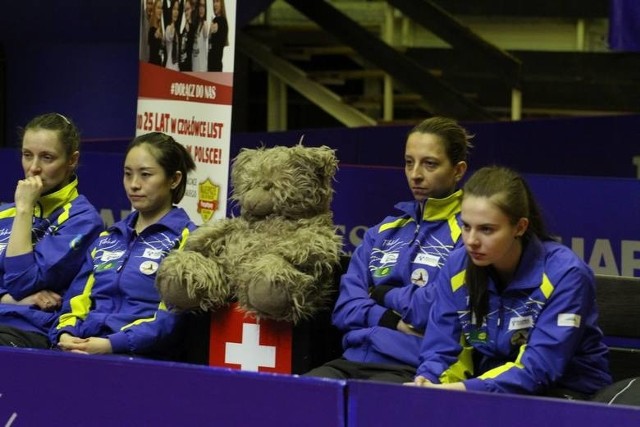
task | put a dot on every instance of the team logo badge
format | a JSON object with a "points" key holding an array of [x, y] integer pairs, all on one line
{"points": [[148, 267], [208, 196], [420, 277]]}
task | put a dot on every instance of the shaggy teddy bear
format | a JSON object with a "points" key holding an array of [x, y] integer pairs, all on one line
{"points": [[277, 257]]}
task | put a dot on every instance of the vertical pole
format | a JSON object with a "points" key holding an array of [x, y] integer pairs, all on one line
{"points": [[580, 34], [516, 104], [276, 104], [636, 161], [388, 30]]}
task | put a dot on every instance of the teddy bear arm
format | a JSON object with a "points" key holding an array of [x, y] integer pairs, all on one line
{"points": [[187, 280], [210, 238], [313, 246]]}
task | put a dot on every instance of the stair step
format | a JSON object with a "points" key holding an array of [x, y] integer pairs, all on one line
{"points": [[339, 77], [305, 53], [375, 101]]}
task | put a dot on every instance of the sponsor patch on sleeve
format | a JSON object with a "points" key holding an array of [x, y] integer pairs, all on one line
{"points": [[569, 319]]}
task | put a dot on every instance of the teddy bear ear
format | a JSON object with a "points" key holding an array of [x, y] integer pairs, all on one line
{"points": [[322, 159], [242, 158], [327, 160], [240, 166], [246, 155]]}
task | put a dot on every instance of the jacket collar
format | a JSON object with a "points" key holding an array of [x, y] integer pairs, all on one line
{"points": [[49, 203], [531, 266], [442, 209], [176, 218], [433, 209]]}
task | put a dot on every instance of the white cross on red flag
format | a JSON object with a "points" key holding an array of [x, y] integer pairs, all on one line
{"points": [[240, 341]]}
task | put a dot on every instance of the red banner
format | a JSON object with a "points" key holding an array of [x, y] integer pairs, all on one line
{"points": [[162, 83]]}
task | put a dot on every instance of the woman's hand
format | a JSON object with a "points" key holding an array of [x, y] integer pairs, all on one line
{"points": [[450, 386], [407, 329], [68, 342], [45, 300], [421, 381], [91, 345], [27, 193]]}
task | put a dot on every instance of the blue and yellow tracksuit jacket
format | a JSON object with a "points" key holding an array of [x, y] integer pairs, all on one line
{"points": [[401, 253], [541, 332], [114, 295], [64, 225]]}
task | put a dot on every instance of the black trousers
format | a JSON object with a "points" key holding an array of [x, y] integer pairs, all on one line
{"points": [[622, 392], [14, 337], [344, 369]]}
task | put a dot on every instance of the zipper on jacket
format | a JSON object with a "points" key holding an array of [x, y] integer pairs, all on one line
{"points": [[415, 233], [126, 258]]}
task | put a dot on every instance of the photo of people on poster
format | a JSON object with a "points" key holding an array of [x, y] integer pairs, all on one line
{"points": [[187, 35]]}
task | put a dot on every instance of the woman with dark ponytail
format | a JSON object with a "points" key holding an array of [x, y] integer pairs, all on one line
{"points": [[513, 311], [400, 256], [516, 201]]}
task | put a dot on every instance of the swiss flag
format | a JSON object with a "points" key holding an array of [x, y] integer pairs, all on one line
{"points": [[240, 341]]}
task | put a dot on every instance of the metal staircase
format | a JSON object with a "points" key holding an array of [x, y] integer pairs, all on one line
{"points": [[359, 63]]}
